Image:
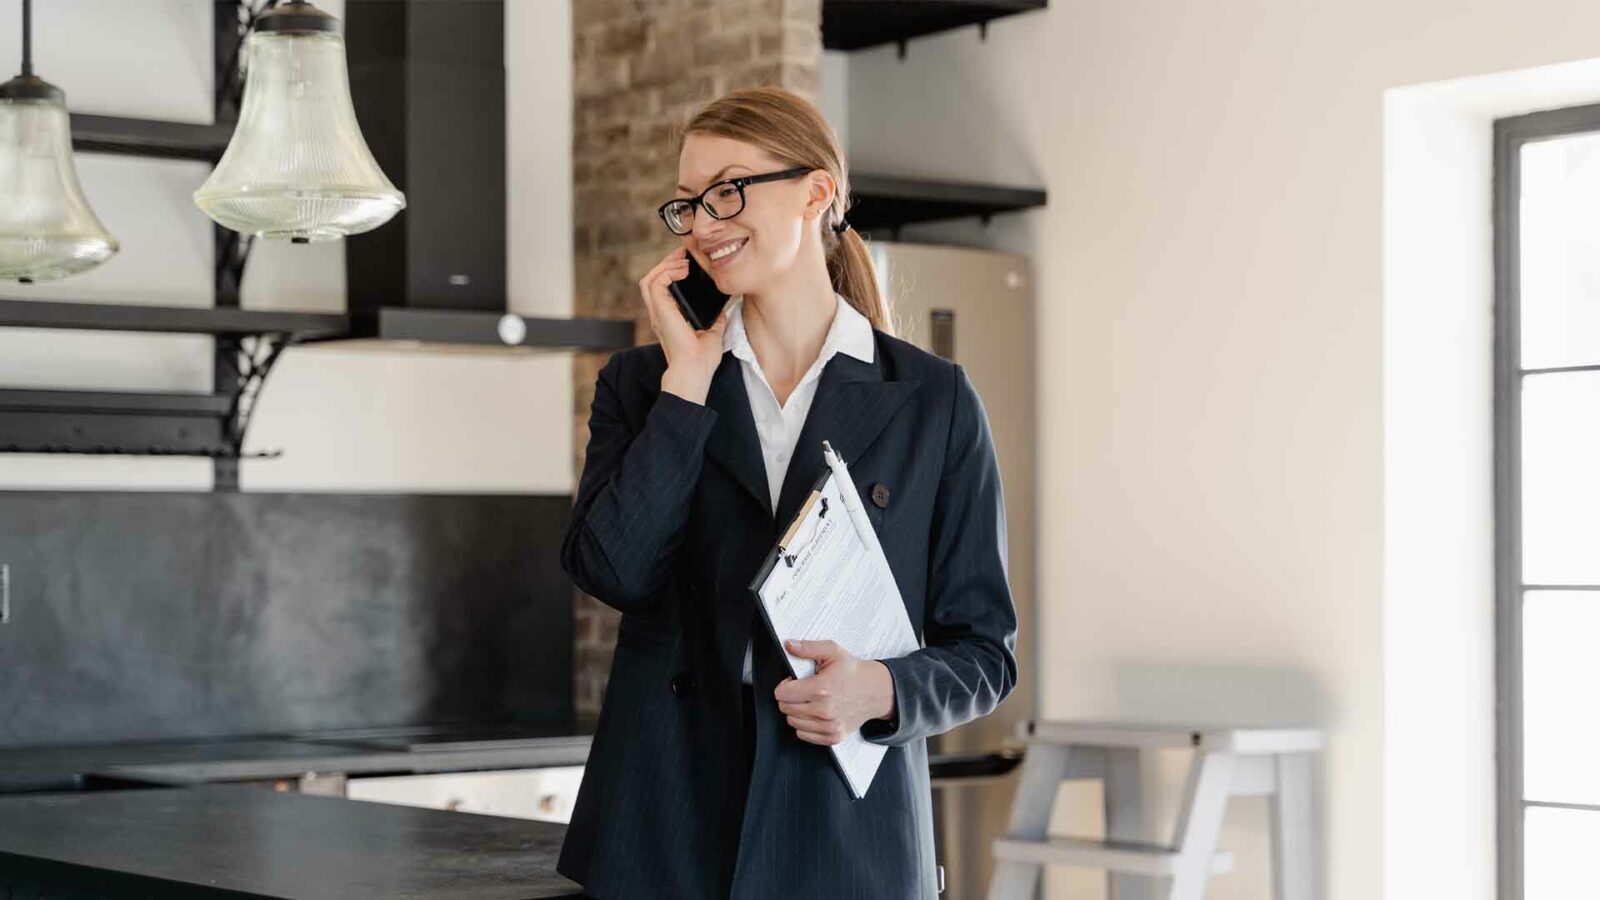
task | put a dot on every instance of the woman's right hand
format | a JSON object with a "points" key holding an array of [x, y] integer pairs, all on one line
{"points": [[692, 356]]}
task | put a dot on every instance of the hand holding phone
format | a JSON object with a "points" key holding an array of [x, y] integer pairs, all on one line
{"points": [[693, 354], [698, 296]]}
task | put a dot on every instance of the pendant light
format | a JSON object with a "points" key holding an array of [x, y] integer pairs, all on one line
{"points": [[297, 166], [47, 230]]}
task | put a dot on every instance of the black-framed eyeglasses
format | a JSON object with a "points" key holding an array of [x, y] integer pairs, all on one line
{"points": [[722, 200]]}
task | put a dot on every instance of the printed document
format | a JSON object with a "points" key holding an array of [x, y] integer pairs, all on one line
{"points": [[828, 579]]}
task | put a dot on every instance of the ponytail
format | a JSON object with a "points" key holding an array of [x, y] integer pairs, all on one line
{"points": [[854, 276]]}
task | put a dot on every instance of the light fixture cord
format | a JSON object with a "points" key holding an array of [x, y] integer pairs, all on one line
{"points": [[27, 37]]}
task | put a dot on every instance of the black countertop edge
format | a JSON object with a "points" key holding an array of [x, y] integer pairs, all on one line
{"points": [[560, 752], [25, 873], [72, 767], [324, 757]]}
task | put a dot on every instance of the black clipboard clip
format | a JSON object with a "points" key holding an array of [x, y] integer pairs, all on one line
{"points": [[788, 558]]}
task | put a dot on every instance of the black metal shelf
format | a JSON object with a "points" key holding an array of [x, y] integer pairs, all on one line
{"points": [[227, 321], [882, 202], [858, 24], [247, 342], [117, 422], [149, 137], [111, 402]]}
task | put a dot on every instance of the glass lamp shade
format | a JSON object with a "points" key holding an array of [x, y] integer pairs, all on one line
{"points": [[297, 166], [47, 230]]}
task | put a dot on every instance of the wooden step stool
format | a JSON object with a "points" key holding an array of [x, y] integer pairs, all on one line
{"points": [[1229, 762]]}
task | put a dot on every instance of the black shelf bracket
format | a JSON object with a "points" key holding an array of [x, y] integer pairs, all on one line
{"points": [[250, 360], [233, 369]]}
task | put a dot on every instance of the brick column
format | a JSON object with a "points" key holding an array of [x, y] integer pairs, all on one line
{"points": [[640, 70]]}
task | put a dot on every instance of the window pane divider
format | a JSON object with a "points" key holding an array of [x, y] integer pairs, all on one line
{"points": [[1550, 370], [1551, 804]]}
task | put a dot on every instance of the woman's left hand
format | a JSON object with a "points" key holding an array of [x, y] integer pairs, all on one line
{"points": [[843, 693]]}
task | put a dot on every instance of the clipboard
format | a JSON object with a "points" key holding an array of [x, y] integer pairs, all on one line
{"points": [[827, 578]]}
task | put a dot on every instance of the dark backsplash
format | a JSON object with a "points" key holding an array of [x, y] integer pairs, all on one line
{"points": [[157, 615]]}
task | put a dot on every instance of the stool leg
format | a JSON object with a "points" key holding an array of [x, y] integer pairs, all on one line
{"points": [[1042, 771], [1199, 824], [1124, 797], [1294, 875]]}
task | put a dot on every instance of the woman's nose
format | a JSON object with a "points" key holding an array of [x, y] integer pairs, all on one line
{"points": [[707, 229]]}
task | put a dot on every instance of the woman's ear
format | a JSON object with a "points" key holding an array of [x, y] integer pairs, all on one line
{"points": [[822, 189]]}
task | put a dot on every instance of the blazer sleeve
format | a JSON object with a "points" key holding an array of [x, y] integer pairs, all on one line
{"points": [[634, 495], [968, 664]]}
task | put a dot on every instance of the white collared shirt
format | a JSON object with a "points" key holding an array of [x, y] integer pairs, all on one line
{"points": [[778, 427]]}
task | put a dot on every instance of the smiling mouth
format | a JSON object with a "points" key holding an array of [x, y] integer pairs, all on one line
{"points": [[721, 254]]}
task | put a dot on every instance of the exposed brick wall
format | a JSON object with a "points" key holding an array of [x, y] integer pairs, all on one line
{"points": [[640, 70]]}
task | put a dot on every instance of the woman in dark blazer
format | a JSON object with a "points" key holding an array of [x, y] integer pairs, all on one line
{"points": [[699, 784]]}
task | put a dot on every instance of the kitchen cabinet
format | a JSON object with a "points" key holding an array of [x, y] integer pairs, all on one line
{"points": [[544, 794]]}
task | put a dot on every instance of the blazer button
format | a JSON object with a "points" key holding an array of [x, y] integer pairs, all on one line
{"points": [[683, 684], [880, 495]]}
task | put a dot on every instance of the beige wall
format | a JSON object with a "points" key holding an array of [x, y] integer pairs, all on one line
{"points": [[1211, 348]]}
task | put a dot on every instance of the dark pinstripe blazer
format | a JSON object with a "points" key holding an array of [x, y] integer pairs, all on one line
{"points": [[671, 521]]}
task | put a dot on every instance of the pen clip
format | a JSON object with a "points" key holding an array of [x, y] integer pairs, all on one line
{"points": [[783, 551]]}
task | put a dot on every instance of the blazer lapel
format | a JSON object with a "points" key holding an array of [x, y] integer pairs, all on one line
{"points": [[852, 405], [734, 443]]}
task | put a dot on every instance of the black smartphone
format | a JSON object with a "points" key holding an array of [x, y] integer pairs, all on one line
{"points": [[698, 297]]}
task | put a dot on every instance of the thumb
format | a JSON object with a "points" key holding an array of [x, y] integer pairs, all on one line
{"points": [[818, 650]]}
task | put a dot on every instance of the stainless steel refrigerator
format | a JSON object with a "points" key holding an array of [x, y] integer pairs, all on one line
{"points": [[976, 307]]}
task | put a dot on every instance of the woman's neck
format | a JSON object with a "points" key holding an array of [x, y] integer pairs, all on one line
{"points": [[788, 322]]}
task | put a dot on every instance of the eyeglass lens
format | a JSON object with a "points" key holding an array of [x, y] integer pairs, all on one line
{"points": [[722, 201]]}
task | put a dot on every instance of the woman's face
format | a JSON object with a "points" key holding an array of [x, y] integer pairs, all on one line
{"points": [[748, 251]]}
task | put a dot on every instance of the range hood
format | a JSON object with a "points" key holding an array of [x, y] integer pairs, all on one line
{"points": [[428, 82]]}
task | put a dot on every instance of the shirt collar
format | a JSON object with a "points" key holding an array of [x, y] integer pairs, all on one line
{"points": [[850, 332]]}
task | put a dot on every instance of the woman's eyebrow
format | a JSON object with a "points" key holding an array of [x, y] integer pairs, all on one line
{"points": [[715, 178]]}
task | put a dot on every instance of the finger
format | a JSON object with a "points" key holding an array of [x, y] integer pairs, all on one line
{"points": [[670, 261], [801, 691], [805, 711], [791, 691], [818, 710], [818, 650], [672, 264], [825, 738], [655, 284], [814, 726]]}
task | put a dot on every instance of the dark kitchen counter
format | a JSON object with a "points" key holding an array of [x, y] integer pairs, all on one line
{"points": [[41, 767], [247, 841], [351, 752]]}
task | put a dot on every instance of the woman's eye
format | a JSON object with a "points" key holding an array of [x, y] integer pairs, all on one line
{"points": [[727, 193]]}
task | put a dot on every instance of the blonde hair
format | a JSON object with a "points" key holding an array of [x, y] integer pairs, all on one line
{"points": [[791, 128]]}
